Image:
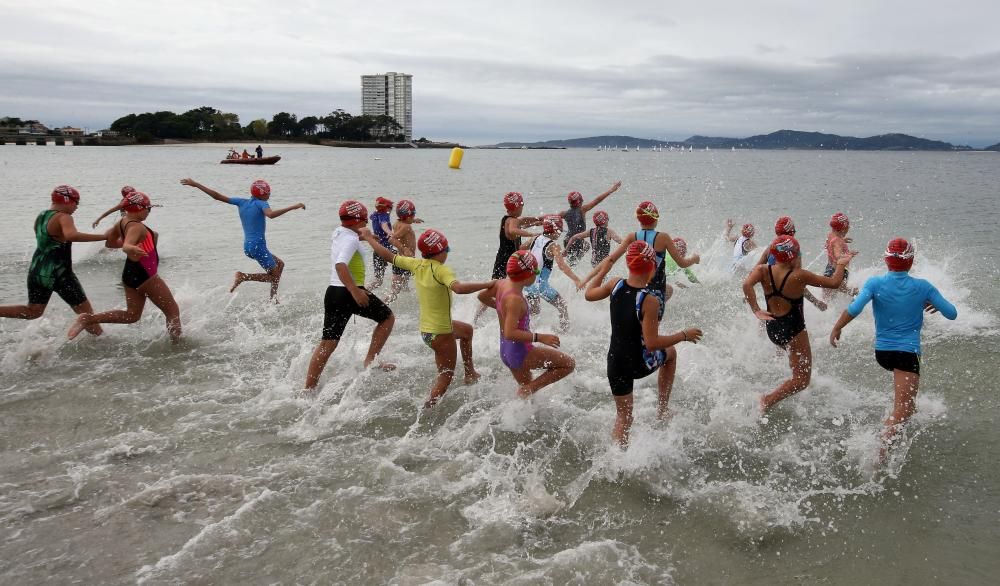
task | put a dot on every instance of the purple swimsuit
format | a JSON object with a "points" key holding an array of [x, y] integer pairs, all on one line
{"points": [[513, 353]]}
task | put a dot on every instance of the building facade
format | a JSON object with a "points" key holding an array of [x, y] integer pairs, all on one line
{"points": [[390, 94]]}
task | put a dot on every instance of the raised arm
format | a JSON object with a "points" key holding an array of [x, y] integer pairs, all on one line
{"points": [[729, 228], [69, 232], [597, 200], [755, 276], [211, 192], [282, 211]]}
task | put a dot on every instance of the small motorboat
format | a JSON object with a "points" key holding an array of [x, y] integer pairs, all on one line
{"points": [[252, 161]]}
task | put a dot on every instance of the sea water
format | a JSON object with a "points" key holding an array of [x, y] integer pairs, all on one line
{"points": [[124, 459]]}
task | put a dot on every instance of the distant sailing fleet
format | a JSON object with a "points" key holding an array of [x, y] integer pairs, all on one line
{"points": [[655, 149]]}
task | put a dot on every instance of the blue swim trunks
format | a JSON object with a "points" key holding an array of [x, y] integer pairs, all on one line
{"points": [[542, 288], [257, 250]]}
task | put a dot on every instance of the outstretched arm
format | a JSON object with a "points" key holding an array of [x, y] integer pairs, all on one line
{"points": [[211, 192], [71, 234], [831, 282], [750, 295], [557, 255], [682, 261], [729, 229], [597, 200], [282, 211], [512, 228], [604, 267], [466, 288], [380, 250], [820, 305], [528, 221], [612, 235], [600, 290], [577, 236], [105, 215]]}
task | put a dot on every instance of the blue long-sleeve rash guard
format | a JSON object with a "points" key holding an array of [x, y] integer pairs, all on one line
{"points": [[898, 303]]}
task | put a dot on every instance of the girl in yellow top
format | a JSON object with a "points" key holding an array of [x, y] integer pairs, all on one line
{"points": [[435, 284]]}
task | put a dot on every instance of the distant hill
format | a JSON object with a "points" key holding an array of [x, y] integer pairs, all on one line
{"points": [[995, 147], [782, 139]]}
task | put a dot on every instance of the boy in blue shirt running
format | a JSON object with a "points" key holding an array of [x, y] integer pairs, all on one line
{"points": [[898, 302], [253, 212]]}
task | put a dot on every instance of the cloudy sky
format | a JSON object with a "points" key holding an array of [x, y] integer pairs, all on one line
{"points": [[521, 70]]}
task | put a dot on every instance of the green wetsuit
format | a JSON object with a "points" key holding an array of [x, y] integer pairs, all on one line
{"points": [[670, 267], [51, 267]]}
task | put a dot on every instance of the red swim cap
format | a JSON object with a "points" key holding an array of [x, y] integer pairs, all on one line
{"points": [[127, 190], [747, 230], [353, 212], [521, 266], [839, 222], [601, 218], [405, 208], [647, 214], [785, 248], [136, 202], [784, 225], [552, 224], [432, 242], [260, 188], [682, 246], [383, 204], [512, 201], [65, 194], [899, 255], [575, 199], [640, 257]]}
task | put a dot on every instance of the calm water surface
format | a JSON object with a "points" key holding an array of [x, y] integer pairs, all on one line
{"points": [[123, 459]]}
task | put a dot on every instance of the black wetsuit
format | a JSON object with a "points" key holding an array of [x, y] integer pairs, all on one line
{"points": [[782, 329], [508, 246], [600, 246], [628, 358], [576, 222]]}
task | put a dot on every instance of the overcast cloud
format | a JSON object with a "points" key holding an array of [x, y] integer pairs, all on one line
{"points": [[486, 71]]}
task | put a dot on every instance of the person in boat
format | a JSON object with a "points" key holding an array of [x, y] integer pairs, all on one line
{"points": [[576, 221], [547, 252], [898, 302], [742, 244], [119, 207], [139, 276], [253, 215], [637, 349], [785, 226], [836, 246], [51, 268], [784, 284], [260, 152], [346, 295], [600, 237], [521, 350], [245, 155], [435, 284]]}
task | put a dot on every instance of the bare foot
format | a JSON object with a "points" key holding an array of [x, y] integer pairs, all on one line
{"points": [[385, 366], [239, 278], [523, 392], [78, 326], [762, 409], [665, 414], [472, 378]]}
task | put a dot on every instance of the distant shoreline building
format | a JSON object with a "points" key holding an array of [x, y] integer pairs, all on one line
{"points": [[389, 94]]}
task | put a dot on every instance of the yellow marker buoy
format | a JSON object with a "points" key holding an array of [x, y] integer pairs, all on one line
{"points": [[456, 158]]}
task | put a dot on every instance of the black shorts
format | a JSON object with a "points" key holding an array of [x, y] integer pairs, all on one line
{"points": [[624, 371], [134, 274], [339, 306], [896, 360], [782, 330], [67, 287]]}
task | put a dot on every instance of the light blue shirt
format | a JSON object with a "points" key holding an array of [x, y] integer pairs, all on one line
{"points": [[898, 303], [252, 216]]}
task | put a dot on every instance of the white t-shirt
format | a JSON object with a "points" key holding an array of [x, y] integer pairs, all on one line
{"points": [[345, 247]]}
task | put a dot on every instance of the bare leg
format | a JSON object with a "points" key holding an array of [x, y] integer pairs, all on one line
{"points": [[134, 304], [379, 335], [623, 420], [464, 332], [905, 403], [800, 360], [318, 362], [444, 356], [157, 291], [86, 307], [32, 311], [276, 277], [556, 364], [272, 276], [665, 383]]}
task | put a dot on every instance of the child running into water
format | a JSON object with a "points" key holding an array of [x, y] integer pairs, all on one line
{"points": [[784, 319], [253, 214], [512, 229], [836, 246], [648, 217], [119, 207], [898, 301], [51, 269], [405, 241], [600, 237], [670, 267], [382, 228], [742, 244], [435, 284], [785, 226], [637, 349], [346, 296], [545, 249], [519, 349], [139, 275], [576, 221]]}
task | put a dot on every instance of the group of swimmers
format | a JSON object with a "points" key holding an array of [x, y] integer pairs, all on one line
{"points": [[520, 280]]}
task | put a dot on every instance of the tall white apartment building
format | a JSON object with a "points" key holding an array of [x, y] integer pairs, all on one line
{"points": [[391, 94]]}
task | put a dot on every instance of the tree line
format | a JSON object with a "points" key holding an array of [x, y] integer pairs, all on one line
{"points": [[209, 123]]}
